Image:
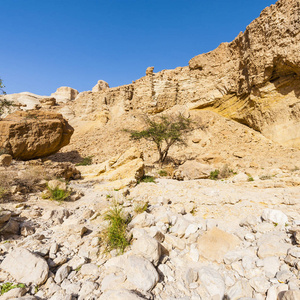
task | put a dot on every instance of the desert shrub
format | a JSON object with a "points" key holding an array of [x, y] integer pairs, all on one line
{"points": [[226, 172], [115, 236], [163, 173], [86, 161], [250, 178], [7, 286], [214, 174], [147, 178], [141, 207], [164, 131]]}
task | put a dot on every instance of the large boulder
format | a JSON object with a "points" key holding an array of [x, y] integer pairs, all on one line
{"points": [[34, 134], [118, 172], [25, 266], [65, 94]]}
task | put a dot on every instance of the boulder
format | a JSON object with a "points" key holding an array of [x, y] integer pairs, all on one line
{"points": [[124, 170], [101, 85], [34, 134], [65, 94], [289, 295], [25, 266], [5, 160], [215, 243], [192, 169], [120, 294]]}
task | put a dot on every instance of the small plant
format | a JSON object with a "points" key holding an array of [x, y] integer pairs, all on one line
{"points": [[194, 210], [214, 174], [108, 196], [86, 161], [250, 178], [275, 224], [5, 287], [116, 236], [162, 173], [265, 177], [141, 207], [56, 194], [296, 168], [147, 178]]}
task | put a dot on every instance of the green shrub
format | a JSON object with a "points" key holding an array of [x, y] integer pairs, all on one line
{"points": [[162, 173], [250, 178], [116, 236], [7, 286], [141, 207], [214, 174], [56, 194], [147, 178], [86, 161]]}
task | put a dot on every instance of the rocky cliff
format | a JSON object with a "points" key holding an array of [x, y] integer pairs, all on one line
{"points": [[254, 80]]}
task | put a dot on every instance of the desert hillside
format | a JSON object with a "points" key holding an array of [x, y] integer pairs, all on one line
{"points": [[88, 213]]}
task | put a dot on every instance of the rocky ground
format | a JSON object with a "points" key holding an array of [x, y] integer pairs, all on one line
{"points": [[198, 239]]}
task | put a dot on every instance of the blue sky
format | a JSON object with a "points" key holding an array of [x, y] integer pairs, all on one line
{"points": [[51, 43]]}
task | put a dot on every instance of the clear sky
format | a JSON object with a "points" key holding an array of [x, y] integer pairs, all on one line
{"points": [[46, 44]]}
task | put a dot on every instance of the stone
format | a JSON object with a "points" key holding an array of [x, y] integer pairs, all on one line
{"points": [[123, 170], [19, 261], [64, 94], [141, 273], [272, 245], [110, 281], [100, 86], [142, 220], [271, 266], [57, 184], [274, 216], [215, 243], [240, 290], [62, 273], [148, 248], [260, 284], [89, 269], [34, 134], [212, 281], [5, 160], [289, 295], [15, 293], [120, 294], [192, 169]]}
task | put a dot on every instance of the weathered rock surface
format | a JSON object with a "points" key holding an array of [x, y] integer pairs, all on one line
{"points": [[101, 85], [65, 94], [25, 267], [123, 170], [253, 80], [28, 135]]}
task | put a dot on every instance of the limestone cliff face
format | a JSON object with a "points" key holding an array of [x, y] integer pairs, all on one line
{"points": [[255, 80]]}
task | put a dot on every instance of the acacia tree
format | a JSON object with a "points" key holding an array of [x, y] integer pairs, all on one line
{"points": [[164, 131]]}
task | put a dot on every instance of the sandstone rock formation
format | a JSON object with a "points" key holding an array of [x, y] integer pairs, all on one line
{"points": [[254, 80], [101, 85], [65, 94], [123, 170], [34, 134]]}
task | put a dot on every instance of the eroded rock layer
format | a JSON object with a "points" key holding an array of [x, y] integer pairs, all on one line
{"points": [[254, 80]]}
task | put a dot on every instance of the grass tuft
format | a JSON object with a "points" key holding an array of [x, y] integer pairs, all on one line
{"points": [[147, 178], [56, 194], [214, 174], [116, 236], [7, 286], [86, 161], [141, 207]]}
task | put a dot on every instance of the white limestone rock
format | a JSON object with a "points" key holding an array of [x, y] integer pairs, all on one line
{"points": [[25, 266]]}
